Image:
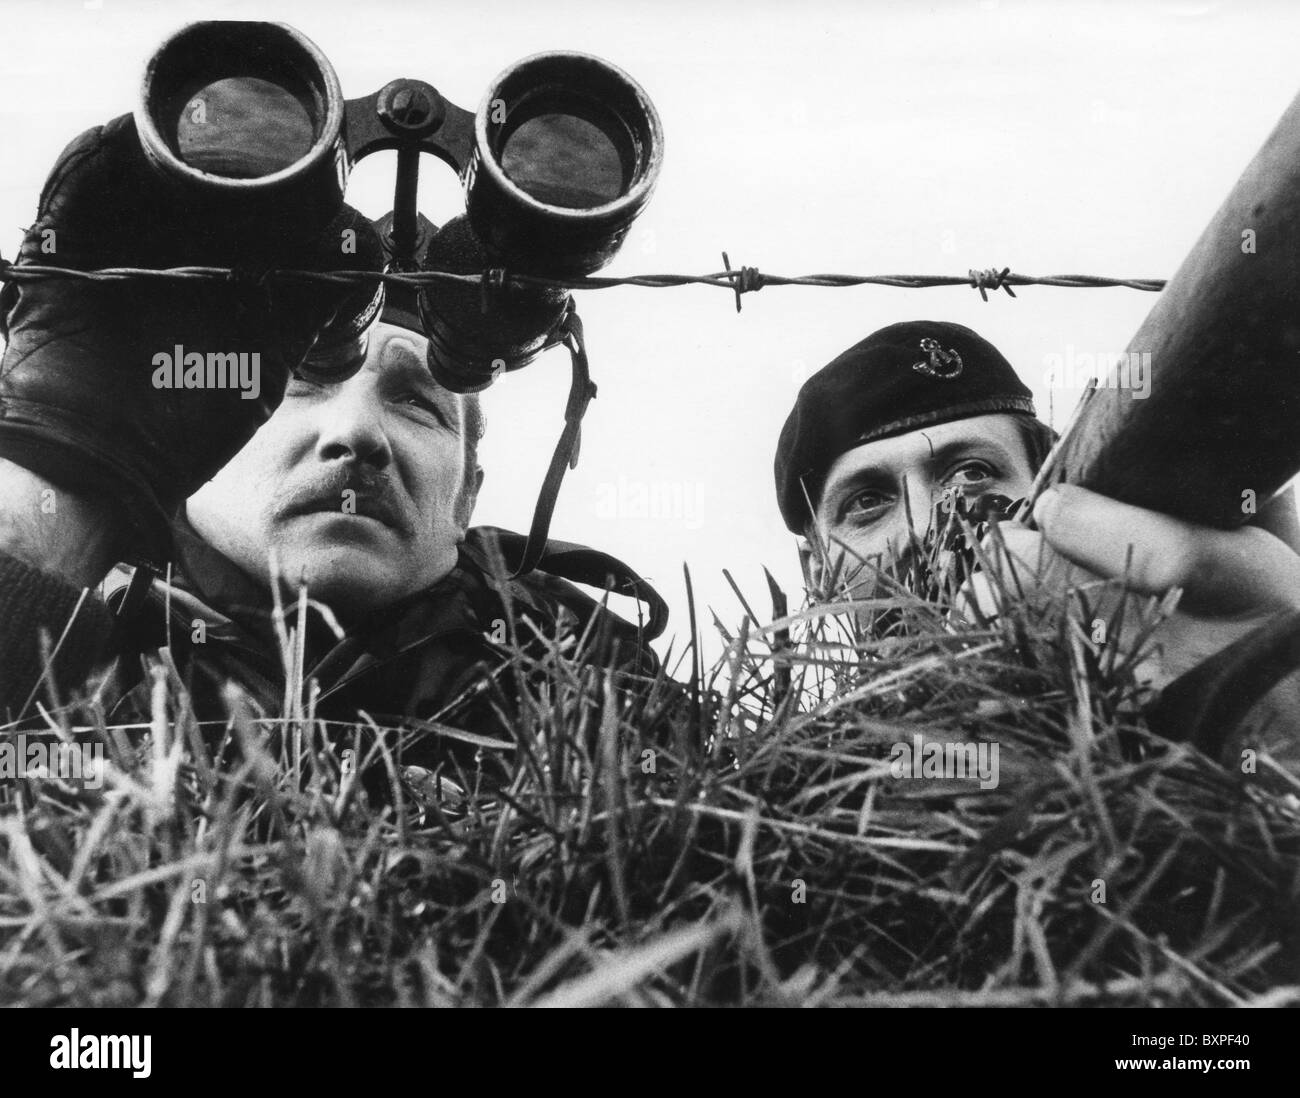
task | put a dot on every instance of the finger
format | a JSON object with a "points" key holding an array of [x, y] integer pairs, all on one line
{"points": [[1026, 549], [1227, 571], [1026, 568]]}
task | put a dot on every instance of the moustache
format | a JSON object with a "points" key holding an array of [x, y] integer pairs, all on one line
{"points": [[352, 491]]}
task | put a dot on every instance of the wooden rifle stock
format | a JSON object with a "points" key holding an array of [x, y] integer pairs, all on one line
{"points": [[1222, 415]]}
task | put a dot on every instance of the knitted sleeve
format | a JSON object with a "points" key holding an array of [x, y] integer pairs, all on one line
{"points": [[32, 602]]}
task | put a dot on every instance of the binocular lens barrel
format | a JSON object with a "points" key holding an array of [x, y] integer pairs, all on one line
{"points": [[247, 120], [249, 116], [567, 152]]}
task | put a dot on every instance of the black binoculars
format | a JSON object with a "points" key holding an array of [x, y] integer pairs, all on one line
{"points": [[559, 159]]}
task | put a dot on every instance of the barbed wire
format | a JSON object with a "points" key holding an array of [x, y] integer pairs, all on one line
{"points": [[740, 280]]}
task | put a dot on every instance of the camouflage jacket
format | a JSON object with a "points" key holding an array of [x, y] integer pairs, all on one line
{"points": [[450, 654]]}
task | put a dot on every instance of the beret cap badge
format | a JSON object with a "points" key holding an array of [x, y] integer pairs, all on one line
{"points": [[945, 365]]}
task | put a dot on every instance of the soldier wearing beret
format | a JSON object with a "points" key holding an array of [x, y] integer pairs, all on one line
{"points": [[924, 409], [880, 435]]}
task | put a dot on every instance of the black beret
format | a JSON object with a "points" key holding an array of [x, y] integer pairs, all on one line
{"points": [[900, 378]]}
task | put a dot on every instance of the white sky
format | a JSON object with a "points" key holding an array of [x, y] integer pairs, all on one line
{"points": [[824, 136]]}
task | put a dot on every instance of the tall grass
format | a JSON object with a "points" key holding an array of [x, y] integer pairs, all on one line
{"points": [[722, 835]]}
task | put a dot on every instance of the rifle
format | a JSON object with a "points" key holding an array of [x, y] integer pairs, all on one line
{"points": [[1220, 419], [1217, 437]]}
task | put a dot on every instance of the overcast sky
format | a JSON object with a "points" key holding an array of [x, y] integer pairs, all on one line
{"points": [[820, 136]]}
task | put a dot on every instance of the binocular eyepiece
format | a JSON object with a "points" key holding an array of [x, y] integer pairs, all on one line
{"points": [[248, 118]]}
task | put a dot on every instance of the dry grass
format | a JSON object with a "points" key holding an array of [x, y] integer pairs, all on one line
{"points": [[735, 840]]}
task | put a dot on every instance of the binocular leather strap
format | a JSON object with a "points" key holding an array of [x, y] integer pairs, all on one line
{"points": [[581, 393]]}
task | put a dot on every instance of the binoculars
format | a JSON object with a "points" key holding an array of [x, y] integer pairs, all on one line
{"points": [[248, 119]]}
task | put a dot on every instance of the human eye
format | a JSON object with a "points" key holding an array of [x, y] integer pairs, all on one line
{"points": [[303, 384], [864, 506], [425, 405], [971, 474]]}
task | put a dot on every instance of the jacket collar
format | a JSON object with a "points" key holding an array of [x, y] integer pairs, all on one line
{"points": [[457, 602]]}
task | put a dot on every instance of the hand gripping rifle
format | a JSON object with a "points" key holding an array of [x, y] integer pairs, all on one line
{"points": [[1217, 434]]}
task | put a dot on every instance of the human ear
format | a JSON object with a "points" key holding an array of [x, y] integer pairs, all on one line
{"points": [[468, 498], [813, 565]]}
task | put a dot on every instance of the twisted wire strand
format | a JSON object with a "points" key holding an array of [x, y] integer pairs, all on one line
{"points": [[739, 281]]}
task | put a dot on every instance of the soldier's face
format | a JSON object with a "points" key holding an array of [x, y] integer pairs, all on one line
{"points": [[862, 514], [360, 487]]}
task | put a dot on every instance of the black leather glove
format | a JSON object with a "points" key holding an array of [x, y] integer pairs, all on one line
{"points": [[79, 403]]}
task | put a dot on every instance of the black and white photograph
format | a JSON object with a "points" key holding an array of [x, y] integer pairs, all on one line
{"points": [[650, 505]]}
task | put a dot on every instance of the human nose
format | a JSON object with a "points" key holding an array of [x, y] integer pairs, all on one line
{"points": [[922, 499], [351, 426]]}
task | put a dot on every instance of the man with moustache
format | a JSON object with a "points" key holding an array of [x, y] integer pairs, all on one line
{"points": [[884, 438], [353, 476]]}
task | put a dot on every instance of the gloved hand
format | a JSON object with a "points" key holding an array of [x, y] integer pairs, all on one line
{"points": [[79, 400]]}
